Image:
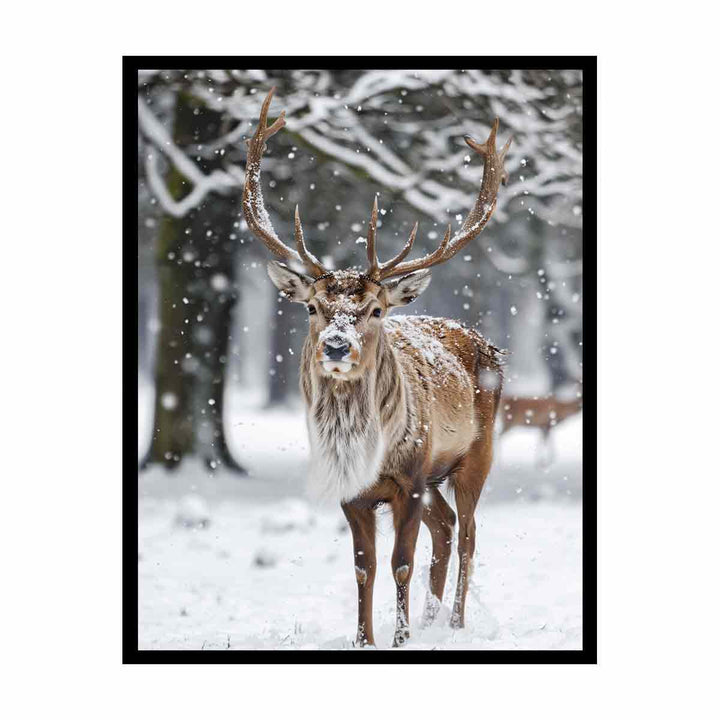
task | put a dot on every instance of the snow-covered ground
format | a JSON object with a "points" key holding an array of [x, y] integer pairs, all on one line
{"points": [[247, 563]]}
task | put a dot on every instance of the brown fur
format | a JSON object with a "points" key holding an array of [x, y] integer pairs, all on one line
{"points": [[435, 388], [544, 413]]}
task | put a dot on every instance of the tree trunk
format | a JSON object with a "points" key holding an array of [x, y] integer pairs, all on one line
{"points": [[197, 294]]}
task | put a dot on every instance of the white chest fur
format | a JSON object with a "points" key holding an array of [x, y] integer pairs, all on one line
{"points": [[346, 445]]}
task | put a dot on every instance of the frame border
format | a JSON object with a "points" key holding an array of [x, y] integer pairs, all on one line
{"points": [[131, 654]]}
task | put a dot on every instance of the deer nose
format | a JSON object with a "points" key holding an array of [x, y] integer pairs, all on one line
{"points": [[336, 349]]}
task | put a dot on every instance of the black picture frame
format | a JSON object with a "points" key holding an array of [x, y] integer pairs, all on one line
{"points": [[131, 654]]}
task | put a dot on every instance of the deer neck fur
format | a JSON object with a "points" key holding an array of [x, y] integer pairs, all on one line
{"points": [[353, 423]]}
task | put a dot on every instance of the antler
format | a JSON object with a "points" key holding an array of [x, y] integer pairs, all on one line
{"points": [[309, 260], [494, 173], [377, 270], [253, 204]]}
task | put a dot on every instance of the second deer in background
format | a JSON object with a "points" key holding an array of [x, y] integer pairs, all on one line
{"points": [[544, 413]]}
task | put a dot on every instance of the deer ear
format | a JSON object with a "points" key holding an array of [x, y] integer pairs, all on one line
{"points": [[294, 285], [405, 289]]}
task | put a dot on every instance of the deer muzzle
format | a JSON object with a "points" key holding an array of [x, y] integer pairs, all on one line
{"points": [[337, 353], [336, 348]]}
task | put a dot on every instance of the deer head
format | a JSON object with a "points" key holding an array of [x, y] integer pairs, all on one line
{"points": [[346, 307]]}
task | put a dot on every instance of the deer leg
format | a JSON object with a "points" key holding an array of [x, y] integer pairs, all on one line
{"points": [[466, 502], [469, 481], [407, 512], [439, 518], [362, 526], [549, 449], [543, 456]]}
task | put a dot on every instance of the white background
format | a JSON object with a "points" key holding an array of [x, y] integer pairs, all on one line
{"points": [[61, 528]]}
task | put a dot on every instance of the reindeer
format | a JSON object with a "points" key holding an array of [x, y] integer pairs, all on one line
{"points": [[544, 413], [395, 405]]}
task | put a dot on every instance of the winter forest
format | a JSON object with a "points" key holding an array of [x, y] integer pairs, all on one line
{"points": [[232, 553]]}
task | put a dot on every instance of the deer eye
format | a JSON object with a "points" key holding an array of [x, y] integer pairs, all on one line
{"points": [[377, 312], [311, 310]]}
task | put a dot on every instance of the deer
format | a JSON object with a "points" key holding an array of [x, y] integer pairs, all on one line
{"points": [[545, 413], [395, 406]]}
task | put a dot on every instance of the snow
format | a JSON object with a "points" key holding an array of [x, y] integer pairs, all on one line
{"points": [[228, 562], [248, 583], [417, 331], [324, 120], [201, 184], [342, 324]]}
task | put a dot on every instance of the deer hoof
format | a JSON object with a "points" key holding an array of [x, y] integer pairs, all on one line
{"points": [[432, 608], [456, 622], [362, 639], [401, 638]]}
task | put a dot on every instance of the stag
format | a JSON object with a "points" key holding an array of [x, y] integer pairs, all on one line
{"points": [[395, 406]]}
